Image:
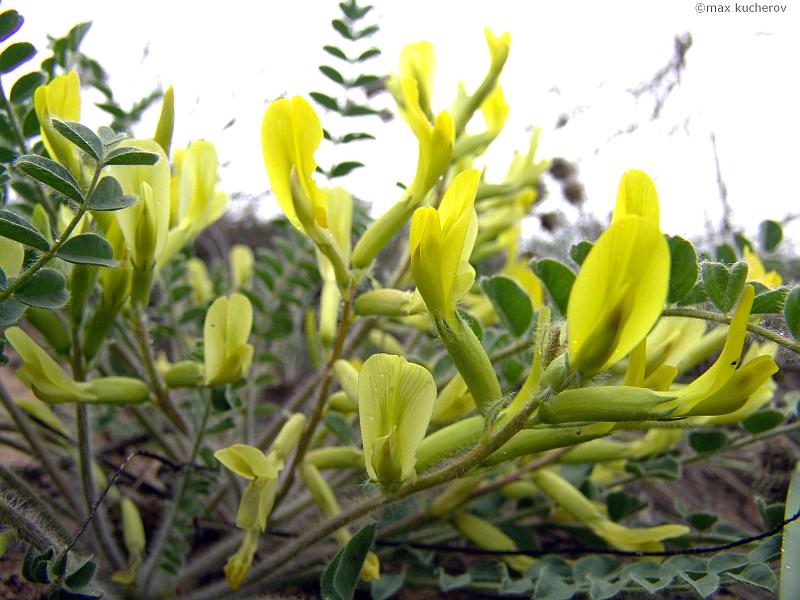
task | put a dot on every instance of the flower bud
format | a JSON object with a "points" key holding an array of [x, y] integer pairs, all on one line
{"points": [[449, 441], [241, 260], [389, 302], [485, 535], [118, 390], [184, 374], [605, 403], [455, 494]]}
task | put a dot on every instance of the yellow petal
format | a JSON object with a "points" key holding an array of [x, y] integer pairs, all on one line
{"points": [[498, 48], [618, 294], [395, 400], [637, 196], [145, 246], [60, 99], [12, 255], [418, 61], [166, 121], [290, 134], [247, 461]]}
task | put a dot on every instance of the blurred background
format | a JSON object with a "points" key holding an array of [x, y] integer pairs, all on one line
{"points": [[704, 102]]}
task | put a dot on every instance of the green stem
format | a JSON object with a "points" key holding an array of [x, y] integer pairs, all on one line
{"points": [[270, 568], [48, 255], [141, 334], [147, 580], [44, 455], [707, 315], [322, 397], [12, 117]]}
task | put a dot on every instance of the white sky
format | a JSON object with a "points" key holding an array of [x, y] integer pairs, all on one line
{"points": [[229, 59]]}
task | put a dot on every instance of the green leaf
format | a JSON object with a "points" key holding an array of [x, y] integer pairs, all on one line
{"points": [[108, 196], [82, 575], [387, 586], [578, 252], [45, 289], [30, 124], [26, 85], [342, 29], [727, 561], [707, 441], [339, 427], [341, 575], [621, 505], [10, 22], [344, 168], [697, 295], [742, 242], [557, 278], [664, 467], [449, 582], [510, 301], [15, 55], [334, 51], [353, 11], [791, 312], [83, 137], [790, 555], [358, 110], [89, 249], [701, 520], [704, 586], [130, 156], [770, 234], [14, 227], [726, 254], [367, 54], [683, 267], [353, 137], [770, 301], [50, 173], [593, 566], [724, 285], [763, 421], [364, 80], [325, 100], [10, 312], [771, 514], [760, 575], [331, 74], [366, 32]]}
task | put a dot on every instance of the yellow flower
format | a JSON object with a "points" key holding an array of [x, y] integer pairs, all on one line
{"points": [[498, 48], [435, 151], [637, 196], [60, 99], [757, 272], [227, 327], [50, 383], [441, 244], [618, 294], [418, 62], [581, 508], [241, 261], [435, 141], [195, 202], [395, 401], [290, 134], [202, 288], [145, 224], [166, 121]]}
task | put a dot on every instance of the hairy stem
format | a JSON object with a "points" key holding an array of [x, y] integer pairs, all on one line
{"points": [[708, 315]]}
